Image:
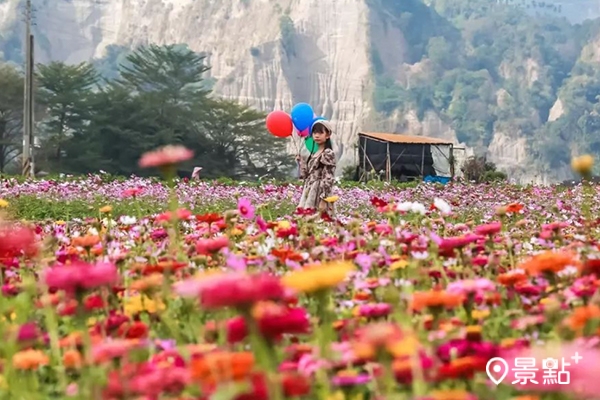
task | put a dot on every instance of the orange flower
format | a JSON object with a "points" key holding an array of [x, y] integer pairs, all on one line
{"points": [[87, 241], [514, 207], [435, 299], [581, 316], [529, 397], [214, 368], [548, 262], [284, 254], [147, 283], [451, 394], [72, 359], [462, 367], [512, 278], [29, 359]]}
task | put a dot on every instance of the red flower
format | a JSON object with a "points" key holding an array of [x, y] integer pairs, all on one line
{"points": [[209, 218], [135, 330], [275, 322], [93, 302], [379, 203]]}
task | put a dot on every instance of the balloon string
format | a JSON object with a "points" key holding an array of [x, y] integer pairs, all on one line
{"points": [[293, 139]]}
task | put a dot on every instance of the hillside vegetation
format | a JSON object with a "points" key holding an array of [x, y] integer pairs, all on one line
{"points": [[484, 67]]}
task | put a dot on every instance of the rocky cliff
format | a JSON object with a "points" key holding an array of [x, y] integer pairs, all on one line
{"points": [[269, 54]]}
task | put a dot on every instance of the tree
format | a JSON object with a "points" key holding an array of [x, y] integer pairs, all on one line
{"points": [[119, 130], [232, 141], [168, 82], [65, 91], [11, 114]]}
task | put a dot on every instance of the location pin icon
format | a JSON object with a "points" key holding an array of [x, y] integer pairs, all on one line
{"points": [[496, 369]]}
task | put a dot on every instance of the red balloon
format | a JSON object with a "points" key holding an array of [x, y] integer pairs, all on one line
{"points": [[280, 124]]}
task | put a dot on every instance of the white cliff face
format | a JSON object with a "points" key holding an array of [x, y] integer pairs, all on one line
{"points": [[330, 69]]}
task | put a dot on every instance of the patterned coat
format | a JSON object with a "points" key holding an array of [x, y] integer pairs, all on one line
{"points": [[319, 176]]}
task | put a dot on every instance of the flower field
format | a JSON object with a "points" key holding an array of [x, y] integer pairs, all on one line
{"points": [[135, 289]]}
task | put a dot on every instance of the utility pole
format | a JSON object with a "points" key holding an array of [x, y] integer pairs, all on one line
{"points": [[28, 96]]}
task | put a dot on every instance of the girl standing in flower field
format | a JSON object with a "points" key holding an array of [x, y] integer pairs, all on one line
{"points": [[318, 172]]}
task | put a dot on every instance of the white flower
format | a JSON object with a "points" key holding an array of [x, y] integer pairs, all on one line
{"points": [[443, 207], [407, 206], [418, 208], [127, 220]]}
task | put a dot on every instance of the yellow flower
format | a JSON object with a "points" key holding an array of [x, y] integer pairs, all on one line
{"points": [[60, 222], [3, 203], [236, 232], [331, 199], [106, 209], [284, 225], [138, 303], [12, 317], [319, 277], [480, 314], [583, 164], [400, 264], [405, 347]]}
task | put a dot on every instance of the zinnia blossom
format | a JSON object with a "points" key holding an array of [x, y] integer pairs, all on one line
{"points": [[238, 290], [318, 277], [165, 156], [80, 276], [273, 323]]}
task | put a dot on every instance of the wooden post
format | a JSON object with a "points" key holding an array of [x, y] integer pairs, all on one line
{"points": [[388, 164], [423, 162]]}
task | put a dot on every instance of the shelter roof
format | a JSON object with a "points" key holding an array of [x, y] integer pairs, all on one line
{"points": [[398, 138]]}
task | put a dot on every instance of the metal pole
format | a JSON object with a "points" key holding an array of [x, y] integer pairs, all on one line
{"points": [[27, 93], [31, 106]]}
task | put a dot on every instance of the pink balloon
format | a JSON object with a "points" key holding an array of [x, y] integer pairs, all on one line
{"points": [[303, 133]]}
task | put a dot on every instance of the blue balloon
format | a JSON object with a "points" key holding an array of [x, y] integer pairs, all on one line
{"points": [[302, 116]]}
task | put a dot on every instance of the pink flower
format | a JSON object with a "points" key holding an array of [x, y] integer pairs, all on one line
{"points": [[245, 208], [377, 310], [489, 229], [112, 349], [262, 225], [471, 286], [165, 156], [79, 276], [238, 290], [207, 247], [232, 290]]}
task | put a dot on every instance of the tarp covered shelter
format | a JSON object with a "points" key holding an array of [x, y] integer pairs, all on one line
{"points": [[403, 157]]}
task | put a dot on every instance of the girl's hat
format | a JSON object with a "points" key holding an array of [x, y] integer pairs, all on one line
{"points": [[323, 122]]}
